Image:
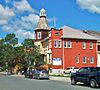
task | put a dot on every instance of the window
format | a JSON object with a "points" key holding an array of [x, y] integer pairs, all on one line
{"points": [[91, 60], [83, 45], [69, 44], [57, 43], [57, 34], [39, 35], [65, 44], [82, 70], [83, 59], [91, 45], [77, 59]]}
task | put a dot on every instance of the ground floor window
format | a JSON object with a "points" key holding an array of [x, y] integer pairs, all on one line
{"points": [[84, 59], [91, 60]]}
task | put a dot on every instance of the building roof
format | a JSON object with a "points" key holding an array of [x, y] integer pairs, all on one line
{"points": [[71, 33], [42, 23], [93, 33]]}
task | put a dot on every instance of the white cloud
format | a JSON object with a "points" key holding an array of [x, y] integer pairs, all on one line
{"points": [[5, 14], [24, 34], [91, 5], [23, 6], [23, 26], [2, 22]]}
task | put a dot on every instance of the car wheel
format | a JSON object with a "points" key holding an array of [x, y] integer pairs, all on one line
{"points": [[73, 81], [93, 83]]}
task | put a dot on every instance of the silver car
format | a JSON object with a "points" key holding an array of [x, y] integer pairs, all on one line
{"points": [[41, 74]]}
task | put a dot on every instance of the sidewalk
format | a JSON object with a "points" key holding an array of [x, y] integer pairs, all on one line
{"points": [[64, 79]]}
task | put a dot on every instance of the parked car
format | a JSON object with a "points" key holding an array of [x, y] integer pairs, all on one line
{"points": [[87, 75], [71, 70], [29, 74], [41, 74]]}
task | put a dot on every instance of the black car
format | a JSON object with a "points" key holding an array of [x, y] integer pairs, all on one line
{"points": [[87, 75]]}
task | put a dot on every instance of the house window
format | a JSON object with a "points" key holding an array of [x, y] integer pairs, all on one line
{"points": [[59, 44], [55, 43], [39, 35], [83, 59], [83, 45], [91, 45], [57, 34], [91, 60], [65, 44], [77, 59], [69, 44]]}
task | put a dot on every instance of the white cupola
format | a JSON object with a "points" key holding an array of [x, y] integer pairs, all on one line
{"points": [[42, 12]]}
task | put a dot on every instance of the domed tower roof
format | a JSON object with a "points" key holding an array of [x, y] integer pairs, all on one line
{"points": [[42, 23], [42, 12]]}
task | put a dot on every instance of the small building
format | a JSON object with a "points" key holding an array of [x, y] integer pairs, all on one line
{"points": [[65, 47], [97, 35]]}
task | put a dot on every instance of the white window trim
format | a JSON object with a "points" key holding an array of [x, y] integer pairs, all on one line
{"points": [[92, 59], [85, 60], [56, 44], [84, 45], [70, 44], [66, 44], [60, 43], [57, 40], [90, 45], [38, 35]]}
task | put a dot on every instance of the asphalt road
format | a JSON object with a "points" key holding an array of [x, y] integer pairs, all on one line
{"points": [[21, 83]]}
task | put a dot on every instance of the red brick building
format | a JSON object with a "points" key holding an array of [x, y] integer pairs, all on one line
{"points": [[65, 47]]}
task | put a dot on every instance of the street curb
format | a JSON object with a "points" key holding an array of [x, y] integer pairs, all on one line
{"points": [[64, 79]]}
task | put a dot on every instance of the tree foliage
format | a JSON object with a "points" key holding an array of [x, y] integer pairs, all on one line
{"points": [[12, 54]]}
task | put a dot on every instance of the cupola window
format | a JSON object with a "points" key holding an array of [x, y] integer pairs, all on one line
{"points": [[39, 35]]}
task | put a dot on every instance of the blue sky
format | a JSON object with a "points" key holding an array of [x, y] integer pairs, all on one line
{"points": [[21, 16]]}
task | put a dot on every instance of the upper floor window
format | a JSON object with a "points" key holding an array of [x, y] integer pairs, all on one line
{"points": [[39, 35], [83, 45], [57, 43], [91, 60], [57, 33], [83, 59], [69, 44], [65, 44], [91, 45]]}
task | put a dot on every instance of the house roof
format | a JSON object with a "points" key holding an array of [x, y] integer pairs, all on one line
{"points": [[69, 32], [93, 33]]}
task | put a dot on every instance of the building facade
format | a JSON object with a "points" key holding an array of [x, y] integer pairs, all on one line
{"points": [[65, 47]]}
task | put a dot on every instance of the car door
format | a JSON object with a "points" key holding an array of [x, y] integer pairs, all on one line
{"points": [[82, 74]]}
